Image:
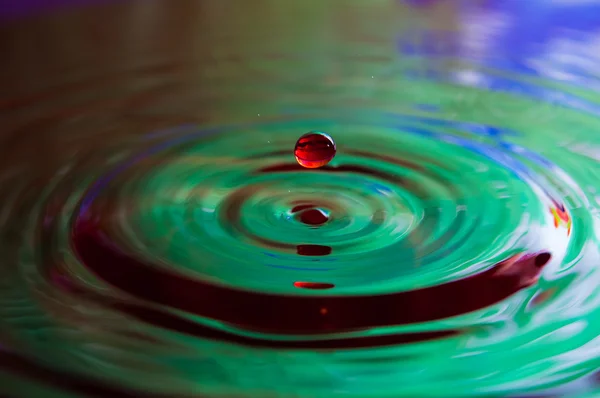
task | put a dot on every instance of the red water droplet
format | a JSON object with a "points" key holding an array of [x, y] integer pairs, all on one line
{"points": [[314, 285], [314, 150]]}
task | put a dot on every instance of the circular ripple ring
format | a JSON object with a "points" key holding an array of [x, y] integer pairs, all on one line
{"points": [[405, 235], [400, 199]]}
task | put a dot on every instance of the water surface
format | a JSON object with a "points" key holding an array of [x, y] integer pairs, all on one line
{"points": [[155, 234]]}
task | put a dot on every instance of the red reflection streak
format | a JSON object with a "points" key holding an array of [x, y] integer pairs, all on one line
{"points": [[314, 285], [288, 314]]}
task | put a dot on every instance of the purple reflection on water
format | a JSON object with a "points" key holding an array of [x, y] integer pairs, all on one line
{"points": [[21, 8]]}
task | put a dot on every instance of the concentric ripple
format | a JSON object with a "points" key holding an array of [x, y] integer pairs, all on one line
{"points": [[218, 206], [196, 234], [425, 240], [450, 246]]}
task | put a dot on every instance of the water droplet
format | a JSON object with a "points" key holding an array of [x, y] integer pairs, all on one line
{"points": [[314, 149]]}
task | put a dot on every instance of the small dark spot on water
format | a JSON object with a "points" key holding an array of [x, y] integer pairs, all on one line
{"points": [[309, 214], [313, 250], [313, 217]]}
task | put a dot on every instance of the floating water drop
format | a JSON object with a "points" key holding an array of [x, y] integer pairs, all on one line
{"points": [[314, 149]]}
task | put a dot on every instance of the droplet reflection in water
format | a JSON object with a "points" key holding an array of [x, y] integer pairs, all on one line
{"points": [[313, 285], [314, 150], [310, 215]]}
